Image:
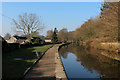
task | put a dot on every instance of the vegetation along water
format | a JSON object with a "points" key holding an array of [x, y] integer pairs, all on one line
{"points": [[80, 62]]}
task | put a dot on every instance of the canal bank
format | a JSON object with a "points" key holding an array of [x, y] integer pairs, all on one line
{"points": [[60, 70], [110, 49], [80, 63], [48, 67]]}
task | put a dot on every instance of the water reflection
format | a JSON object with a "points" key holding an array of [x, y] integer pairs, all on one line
{"points": [[83, 63]]}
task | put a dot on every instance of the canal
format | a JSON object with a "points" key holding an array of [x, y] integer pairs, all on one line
{"points": [[80, 62]]}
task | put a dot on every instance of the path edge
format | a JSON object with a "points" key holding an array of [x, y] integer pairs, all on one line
{"points": [[29, 68], [61, 63]]}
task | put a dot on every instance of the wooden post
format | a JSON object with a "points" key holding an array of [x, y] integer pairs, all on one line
{"points": [[37, 51]]}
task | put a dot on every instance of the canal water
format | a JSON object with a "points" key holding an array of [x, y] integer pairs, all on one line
{"points": [[80, 62]]}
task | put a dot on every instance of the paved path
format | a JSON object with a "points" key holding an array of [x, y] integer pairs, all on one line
{"points": [[49, 67], [45, 68]]}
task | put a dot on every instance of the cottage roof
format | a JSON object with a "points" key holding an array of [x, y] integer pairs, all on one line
{"points": [[20, 41], [19, 37], [2, 39], [47, 39], [35, 37]]}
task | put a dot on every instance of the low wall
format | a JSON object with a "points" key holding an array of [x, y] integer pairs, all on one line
{"points": [[60, 69]]}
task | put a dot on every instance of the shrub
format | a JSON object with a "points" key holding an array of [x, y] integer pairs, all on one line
{"points": [[37, 41], [27, 43]]}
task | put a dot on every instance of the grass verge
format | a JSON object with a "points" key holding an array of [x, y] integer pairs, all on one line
{"points": [[14, 69], [60, 44]]}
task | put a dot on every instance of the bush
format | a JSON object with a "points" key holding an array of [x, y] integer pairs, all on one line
{"points": [[5, 45], [27, 43], [37, 41]]}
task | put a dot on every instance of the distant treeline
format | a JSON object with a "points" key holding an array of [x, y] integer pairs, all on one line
{"points": [[103, 28]]}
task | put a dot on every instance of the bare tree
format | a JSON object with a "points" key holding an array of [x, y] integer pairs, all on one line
{"points": [[49, 34], [63, 35], [28, 24]]}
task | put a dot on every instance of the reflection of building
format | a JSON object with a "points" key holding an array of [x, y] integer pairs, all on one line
{"points": [[17, 39], [47, 40]]}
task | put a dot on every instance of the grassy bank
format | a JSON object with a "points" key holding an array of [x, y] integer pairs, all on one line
{"points": [[109, 49], [60, 44], [110, 46], [99, 44], [14, 69]]}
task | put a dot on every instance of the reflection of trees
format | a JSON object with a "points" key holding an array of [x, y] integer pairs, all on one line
{"points": [[64, 51], [92, 60]]}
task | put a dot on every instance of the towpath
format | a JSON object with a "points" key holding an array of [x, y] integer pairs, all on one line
{"points": [[46, 67]]}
